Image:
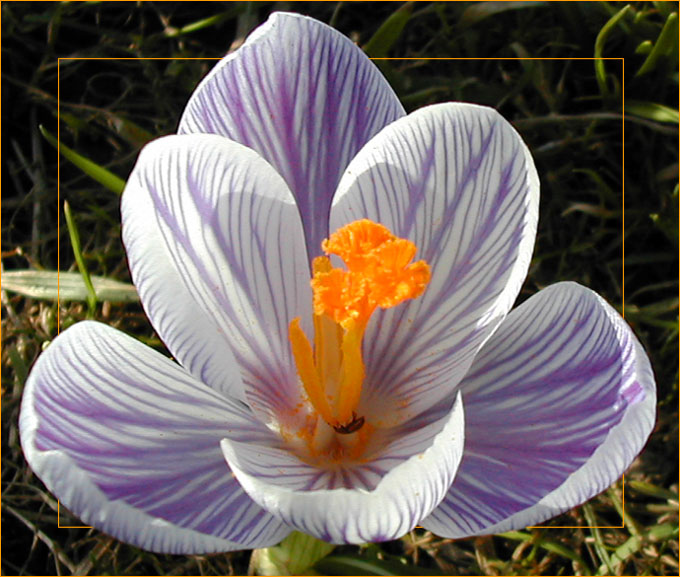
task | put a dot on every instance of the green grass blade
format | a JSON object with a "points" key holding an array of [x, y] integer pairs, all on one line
{"points": [[666, 44], [629, 522], [600, 547], [17, 362], [75, 242], [653, 490], [92, 169], [43, 284], [644, 47], [551, 546], [600, 41], [653, 111], [621, 553], [132, 133], [389, 32], [204, 23], [636, 543]]}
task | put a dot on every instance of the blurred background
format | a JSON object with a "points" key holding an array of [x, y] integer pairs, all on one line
{"points": [[585, 84]]}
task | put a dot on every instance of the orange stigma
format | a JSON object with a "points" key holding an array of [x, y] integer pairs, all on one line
{"points": [[379, 274]]}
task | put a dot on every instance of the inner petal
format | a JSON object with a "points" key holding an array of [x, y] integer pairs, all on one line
{"points": [[378, 499], [282, 95], [216, 250], [462, 187]]}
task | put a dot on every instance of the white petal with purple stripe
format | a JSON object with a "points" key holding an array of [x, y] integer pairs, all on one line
{"points": [[380, 498], [305, 98], [558, 403], [217, 253], [129, 442], [457, 180]]}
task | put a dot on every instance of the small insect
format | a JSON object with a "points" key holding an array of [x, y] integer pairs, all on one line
{"points": [[352, 427]]}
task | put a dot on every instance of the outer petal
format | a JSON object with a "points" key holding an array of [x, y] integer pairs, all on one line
{"points": [[129, 442], [558, 404], [390, 494], [304, 97], [457, 180], [217, 253]]}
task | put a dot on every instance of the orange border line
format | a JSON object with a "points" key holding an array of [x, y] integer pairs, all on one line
{"points": [[623, 213], [137, 58], [58, 208], [623, 188], [507, 58]]}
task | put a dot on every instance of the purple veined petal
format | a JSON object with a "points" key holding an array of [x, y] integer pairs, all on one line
{"points": [[457, 180], [306, 99], [216, 251], [129, 442], [378, 500], [558, 403]]}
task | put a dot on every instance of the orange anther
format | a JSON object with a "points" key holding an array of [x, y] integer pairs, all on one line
{"points": [[379, 273]]}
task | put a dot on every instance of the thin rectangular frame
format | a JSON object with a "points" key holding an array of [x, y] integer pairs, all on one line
{"points": [[623, 217]]}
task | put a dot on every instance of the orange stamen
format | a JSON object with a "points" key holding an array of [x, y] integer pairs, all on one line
{"points": [[379, 274], [304, 361]]}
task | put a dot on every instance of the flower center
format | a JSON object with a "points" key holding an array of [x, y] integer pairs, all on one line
{"points": [[379, 274]]}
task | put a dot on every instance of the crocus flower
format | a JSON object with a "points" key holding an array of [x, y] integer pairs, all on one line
{"points": [[334, 279]]}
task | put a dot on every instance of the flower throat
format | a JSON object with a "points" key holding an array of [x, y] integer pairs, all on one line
{"points": [[379, 274]]}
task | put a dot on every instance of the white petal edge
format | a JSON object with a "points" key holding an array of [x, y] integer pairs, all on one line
{"points": [[77, 488], [609, 461], [405, 495]]}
